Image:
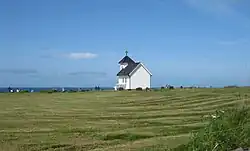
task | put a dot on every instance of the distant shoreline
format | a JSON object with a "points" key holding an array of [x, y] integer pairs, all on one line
{"points": [[38, 89], [77, 89]]}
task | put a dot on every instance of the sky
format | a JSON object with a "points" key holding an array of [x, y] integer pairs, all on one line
{"points": [[79, 43]]}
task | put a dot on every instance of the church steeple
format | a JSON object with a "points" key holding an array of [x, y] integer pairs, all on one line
{"points": [[126, 59]]}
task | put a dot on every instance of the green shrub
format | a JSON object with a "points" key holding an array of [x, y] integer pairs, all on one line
{"points": [[231, 86], [24, 91], [44, 91], [120, 89], [48, 91], [138, 89], [125, 136], [229, 130], [156, 89], [72, 91]]}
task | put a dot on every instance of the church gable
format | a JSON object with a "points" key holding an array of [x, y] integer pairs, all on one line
{"points": [[137, 67], [131, 66], [127, 59]]}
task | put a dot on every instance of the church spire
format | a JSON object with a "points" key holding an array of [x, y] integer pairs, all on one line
{"points": [[127, 59], [126, 52]]}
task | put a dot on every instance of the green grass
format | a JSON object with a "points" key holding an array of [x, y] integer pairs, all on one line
{"points": [[228, 131], [109, 120]]}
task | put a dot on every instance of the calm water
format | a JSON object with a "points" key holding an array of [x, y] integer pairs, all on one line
{"points": [[5, 89]]}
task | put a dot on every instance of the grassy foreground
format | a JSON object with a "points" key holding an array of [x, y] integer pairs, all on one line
{"points": [[106, 121]]}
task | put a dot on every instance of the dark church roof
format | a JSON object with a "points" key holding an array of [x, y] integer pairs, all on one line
{"points": [[128, 69], [127, 60]]}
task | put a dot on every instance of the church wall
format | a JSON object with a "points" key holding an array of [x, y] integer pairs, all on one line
{"points": [[140, 78]]}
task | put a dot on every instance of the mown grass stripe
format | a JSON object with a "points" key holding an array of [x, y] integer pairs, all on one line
{"points": [[135, 145], [201, 100], [208, 103], [191, 106]]}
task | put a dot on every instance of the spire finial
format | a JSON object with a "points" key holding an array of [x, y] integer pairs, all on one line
{"points": [[126, 52]]}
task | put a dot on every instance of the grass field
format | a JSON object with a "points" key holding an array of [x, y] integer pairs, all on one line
{"points": [[106, 121]]}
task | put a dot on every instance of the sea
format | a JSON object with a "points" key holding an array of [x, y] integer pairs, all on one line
{"points": [[38, 89]]}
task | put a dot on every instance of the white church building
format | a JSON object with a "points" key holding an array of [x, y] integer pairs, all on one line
{"points": [[132, 74]]}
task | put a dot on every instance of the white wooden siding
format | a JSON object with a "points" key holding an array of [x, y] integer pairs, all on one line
{"points": [[120, 79], [124, 80], [127, 84], [140, 78]]}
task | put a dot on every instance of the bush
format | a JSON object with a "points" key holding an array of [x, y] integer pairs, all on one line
{"points": [[24, 91], [155, 89], [129, 89], [54, 90], [147, 89], [171, 87], [138, 89], [231, 86], [72, 91], [45, 91], [48, 91], [228, 131], [120, 89]]}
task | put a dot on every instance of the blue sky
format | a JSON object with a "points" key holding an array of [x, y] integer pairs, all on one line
{"points": [[79, 42]]}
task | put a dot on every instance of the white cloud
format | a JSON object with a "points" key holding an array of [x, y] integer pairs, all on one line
{"points": [[81, 55]]}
